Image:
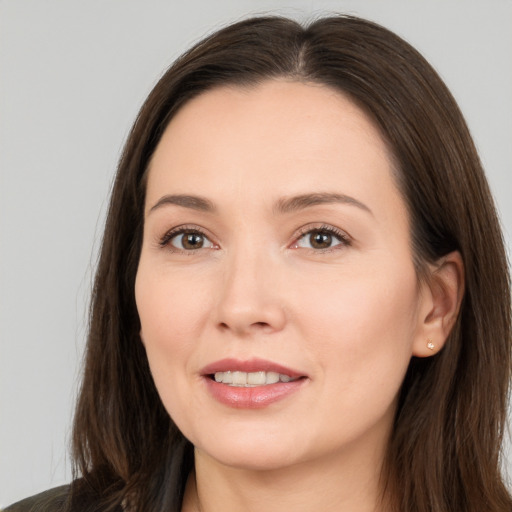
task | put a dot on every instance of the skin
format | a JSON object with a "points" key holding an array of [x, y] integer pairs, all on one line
{"points": [[348, 317]]}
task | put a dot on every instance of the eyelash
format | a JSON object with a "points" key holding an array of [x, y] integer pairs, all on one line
{"points": [[164, 242], [344, 239]]}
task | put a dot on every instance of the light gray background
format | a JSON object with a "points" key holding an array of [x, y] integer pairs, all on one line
{"points": [[72, 77]]}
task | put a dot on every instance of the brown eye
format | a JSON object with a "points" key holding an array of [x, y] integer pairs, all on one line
{"points": [[190, 240], [321, 239]]}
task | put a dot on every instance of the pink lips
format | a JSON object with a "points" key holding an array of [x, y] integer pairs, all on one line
{"points": [[253, 365], [251, 397]]}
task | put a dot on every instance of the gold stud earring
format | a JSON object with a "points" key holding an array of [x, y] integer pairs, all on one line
{"points": [[430, 345]]}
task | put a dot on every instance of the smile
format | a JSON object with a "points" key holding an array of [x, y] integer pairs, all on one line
{"points": [[251, 379], [251, 384]]}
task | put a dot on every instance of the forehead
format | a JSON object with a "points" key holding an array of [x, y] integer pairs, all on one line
{"points": [[274, 139], [314, 114]]}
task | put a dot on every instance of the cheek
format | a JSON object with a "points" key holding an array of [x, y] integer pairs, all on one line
{"points": [[169, 308], [359, 330], [171, 312], [361, 326]]}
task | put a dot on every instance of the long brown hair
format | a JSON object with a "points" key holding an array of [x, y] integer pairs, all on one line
{"points": [[444, 453]]}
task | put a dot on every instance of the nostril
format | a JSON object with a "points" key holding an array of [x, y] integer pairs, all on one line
{"points": [[225, 326]]}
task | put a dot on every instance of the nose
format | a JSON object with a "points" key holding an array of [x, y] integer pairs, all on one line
{"points": [[251, 299]]}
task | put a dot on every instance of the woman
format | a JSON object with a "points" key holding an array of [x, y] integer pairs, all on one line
{"points": [[302, 299]]}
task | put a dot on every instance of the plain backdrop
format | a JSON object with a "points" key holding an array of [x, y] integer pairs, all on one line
{"points": [[72, 77]]}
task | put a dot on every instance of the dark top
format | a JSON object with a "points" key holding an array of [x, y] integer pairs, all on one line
{"points": [[53, 500], [58, 500]]}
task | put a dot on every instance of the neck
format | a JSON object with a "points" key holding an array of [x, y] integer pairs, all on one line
{"points": [[339, 482]]}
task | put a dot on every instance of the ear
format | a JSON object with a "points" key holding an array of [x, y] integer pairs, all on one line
{"points": [[440, 304]]}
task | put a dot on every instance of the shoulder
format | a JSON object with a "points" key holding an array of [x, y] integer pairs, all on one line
{"points": [[53, 500], [78, 496]]}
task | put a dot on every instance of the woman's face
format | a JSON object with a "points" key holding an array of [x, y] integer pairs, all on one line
{"points": [[276, 247]]}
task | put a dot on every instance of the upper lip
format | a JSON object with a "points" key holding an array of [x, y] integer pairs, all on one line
{"points": [[251, 365]]}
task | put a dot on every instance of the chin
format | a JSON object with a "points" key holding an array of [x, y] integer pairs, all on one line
{"points": [[254, 460], [262, 452]]}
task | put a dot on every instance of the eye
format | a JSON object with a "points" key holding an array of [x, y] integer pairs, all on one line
{"points": [[187, 240], [322, 239]]}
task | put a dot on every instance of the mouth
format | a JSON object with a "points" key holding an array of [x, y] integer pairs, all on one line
{"points": [[241, 379], [253, 372], [251, 384]]}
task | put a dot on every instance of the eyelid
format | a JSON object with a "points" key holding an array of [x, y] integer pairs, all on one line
{"points": [[343, 236], [164, 241]]}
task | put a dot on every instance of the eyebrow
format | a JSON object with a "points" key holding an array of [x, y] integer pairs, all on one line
{"points": [[282, 206], [186, 201], [292, 204]]}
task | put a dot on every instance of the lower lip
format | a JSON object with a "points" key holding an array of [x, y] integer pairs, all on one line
{"points": [[252, 397]]}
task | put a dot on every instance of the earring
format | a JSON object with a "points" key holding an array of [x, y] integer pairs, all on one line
{"points": [[430, 345]]}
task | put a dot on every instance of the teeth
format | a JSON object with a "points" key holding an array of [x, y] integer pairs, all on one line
{"points": [[272, 378], [251, 379], [256, 378], [239, 378]]}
